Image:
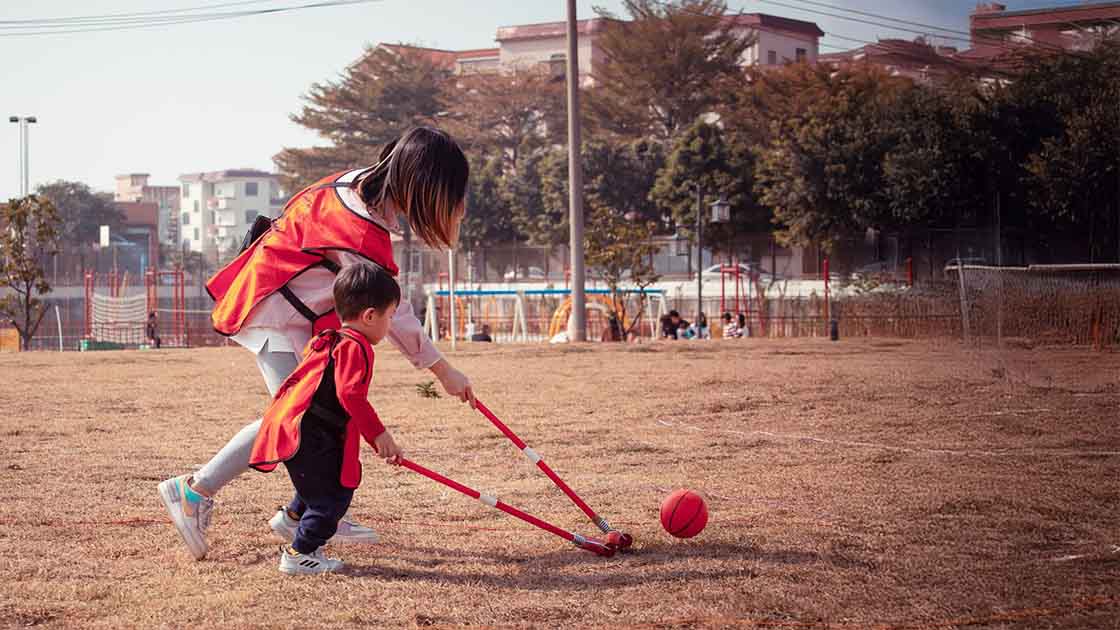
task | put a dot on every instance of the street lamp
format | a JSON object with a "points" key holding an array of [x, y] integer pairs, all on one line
{"points": [[721, 213], [24, 152]]}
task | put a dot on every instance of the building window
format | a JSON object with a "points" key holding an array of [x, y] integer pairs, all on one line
{"points": [[196, 206], [196, 234], [186, 190], [250, 215], [772, 57], [250, 189], [212, 221], [802, 55], [186, 218]]}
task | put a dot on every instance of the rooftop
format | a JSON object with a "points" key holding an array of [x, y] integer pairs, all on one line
{"points": [[234, 173]]}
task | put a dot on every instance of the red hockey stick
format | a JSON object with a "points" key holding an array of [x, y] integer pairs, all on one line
{"points": [[593, 545], [615, 537]]}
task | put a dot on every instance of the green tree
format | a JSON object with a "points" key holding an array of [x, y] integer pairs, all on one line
{"points": [[822, 171], [663, 68], [618, 174], [1071, 166], [388, 90], [81, 211], [28, 238], [489, 219], [538, 197], [721, 163]]}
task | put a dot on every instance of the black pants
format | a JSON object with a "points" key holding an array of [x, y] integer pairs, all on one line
{"points": [[320, 499]]}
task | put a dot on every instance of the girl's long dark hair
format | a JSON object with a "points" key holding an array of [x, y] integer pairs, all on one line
{"points": [[424, 173]]}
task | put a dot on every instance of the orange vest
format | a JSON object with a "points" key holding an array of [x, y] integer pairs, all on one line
{"points": [[279, 436], [313, 222]]}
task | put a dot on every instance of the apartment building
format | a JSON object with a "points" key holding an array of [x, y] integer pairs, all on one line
{"points": [[217, 208]]}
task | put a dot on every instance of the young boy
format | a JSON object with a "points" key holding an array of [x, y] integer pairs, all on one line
{"points": [[314, 423]]}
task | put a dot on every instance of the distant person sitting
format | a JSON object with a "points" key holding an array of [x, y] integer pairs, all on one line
{"points": [[671, 325], [744, 331], [685, 331], [151, 330], [730, 329], [483, 336], [700, 329]]}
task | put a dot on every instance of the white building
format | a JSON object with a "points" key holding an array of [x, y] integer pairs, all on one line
{"points": [[779, 40], [217, 208]]}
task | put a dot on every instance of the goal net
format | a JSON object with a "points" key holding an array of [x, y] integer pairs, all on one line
{"points": [[119, 319], [1040, 304]]}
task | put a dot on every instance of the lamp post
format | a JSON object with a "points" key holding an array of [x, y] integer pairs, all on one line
{"points": [[24, 152], [721, 213]]}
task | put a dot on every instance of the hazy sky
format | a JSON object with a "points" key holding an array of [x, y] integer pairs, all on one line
{"points": [[215, 95]]}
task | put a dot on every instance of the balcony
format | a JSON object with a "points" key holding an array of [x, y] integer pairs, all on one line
{"points": [[226, 218], [220, 203]]}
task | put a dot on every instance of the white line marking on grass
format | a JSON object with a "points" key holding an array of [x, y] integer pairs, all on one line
{"points": [[904, 449]]}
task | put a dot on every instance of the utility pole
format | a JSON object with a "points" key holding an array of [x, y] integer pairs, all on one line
{"points": [[699, 253], [577, 322]]}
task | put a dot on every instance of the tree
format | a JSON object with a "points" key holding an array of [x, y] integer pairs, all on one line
{"points": [[619, 248], [722, 163], [489, 219], [538, 197], [1072, 172], [507, 114], [377, 98], [28, 238], [82, 212], [661, 69], [822, 171]]}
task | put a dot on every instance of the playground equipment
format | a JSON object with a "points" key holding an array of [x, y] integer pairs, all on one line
{"points": [[118, 317], [521, 316]]}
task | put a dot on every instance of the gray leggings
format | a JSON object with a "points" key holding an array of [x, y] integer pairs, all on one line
{"points": [[233, 459]]}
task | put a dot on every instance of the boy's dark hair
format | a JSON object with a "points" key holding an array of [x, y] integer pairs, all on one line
{"points": [[361, 286], [674, 313]]}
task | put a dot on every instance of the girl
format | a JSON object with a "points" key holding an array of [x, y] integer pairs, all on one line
{"points": [[277, 293]]}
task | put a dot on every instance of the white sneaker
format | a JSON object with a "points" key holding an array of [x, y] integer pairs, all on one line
{"points": [[294, 563], [347, 532], [189, 511]]}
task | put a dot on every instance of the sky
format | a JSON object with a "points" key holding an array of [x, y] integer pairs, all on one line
{"points": [[215, 95]]}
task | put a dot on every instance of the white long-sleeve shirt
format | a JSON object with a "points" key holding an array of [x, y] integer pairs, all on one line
{"points": [[276, 323]]}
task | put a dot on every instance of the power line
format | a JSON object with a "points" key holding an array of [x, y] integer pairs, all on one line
{"points": [[80, 18], [129, 23]]}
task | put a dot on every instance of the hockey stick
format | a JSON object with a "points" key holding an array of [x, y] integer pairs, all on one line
{"points": [[615, 537], [593, 545]]}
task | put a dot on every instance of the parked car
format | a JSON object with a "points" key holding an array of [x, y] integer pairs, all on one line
{"points": [[530, 273], [747, 270], [875, 269]]}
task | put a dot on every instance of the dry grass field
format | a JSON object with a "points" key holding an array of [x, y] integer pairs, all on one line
{"points": [[860, 484]]}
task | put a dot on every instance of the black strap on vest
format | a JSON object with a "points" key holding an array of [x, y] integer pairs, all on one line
{"points": [[298, 304]]}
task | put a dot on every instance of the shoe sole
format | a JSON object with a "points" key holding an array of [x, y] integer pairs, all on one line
{"points": [[197, 548], [297, 571]]}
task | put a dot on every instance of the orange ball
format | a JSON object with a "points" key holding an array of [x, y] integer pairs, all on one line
{"points": [[684, 513]]}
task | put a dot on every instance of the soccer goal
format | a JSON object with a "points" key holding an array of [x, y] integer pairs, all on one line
{"points": [[118, 312], [1066, 304]]}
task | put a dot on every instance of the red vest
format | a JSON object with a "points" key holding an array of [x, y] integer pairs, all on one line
{"points": [[313, 222], [279, 435]]}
